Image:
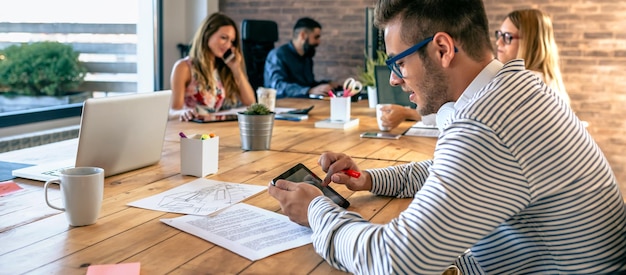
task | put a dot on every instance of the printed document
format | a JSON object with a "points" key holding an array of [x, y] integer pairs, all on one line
{"points": [[419, 129], [199, 197], [249, 231]]}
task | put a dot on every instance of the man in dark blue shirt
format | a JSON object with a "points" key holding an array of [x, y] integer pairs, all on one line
{"points": [[289, 68]]}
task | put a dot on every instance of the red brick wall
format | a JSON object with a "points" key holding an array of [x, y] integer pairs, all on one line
{"points": [[591, 36]]}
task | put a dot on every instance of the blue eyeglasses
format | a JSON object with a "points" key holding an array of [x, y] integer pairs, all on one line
{"points": [[391, 62]]}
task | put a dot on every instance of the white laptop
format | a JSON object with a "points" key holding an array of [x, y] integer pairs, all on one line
{"points": [[117, 133]]}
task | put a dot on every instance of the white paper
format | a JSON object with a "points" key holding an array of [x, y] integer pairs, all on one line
{"points": [[199, 197], [249, 231], [419, 129]]}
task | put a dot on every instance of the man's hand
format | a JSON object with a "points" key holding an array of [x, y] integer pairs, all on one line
{"points": [[393, 115], [335, 163], [321, 89], [294, 199]]}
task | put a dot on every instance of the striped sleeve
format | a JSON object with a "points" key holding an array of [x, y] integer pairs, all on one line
{"points": [[411, 177], [430, 234]]}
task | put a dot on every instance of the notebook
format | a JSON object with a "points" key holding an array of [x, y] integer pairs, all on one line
{"points": [[387, 93], [117, 133]]}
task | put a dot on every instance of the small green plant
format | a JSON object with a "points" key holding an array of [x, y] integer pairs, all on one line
{"points": [[367, 76], [40, 68], [257, 109]]}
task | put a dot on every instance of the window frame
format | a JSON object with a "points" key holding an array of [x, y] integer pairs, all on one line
{"points": [[22, 117]]}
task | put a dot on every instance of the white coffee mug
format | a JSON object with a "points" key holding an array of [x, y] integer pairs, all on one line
{"points": [[267, 97], [372, 96], [430, 120], [379, 116], [82, 189]]}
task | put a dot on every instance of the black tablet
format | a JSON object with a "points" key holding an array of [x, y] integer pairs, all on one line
{"points": [[215, 118], [301, 173]]}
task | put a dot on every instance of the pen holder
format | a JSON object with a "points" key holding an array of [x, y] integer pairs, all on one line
{"points": [[340, 109], [199, 157]]}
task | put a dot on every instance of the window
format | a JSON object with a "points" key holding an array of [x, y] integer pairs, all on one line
{"points": [[103, 32]]}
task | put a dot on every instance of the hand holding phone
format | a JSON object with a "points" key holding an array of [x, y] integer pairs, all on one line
{"points": [[301, 173], [228, 56]]}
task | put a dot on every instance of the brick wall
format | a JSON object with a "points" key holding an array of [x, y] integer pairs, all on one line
{"points": [[591, 36]]}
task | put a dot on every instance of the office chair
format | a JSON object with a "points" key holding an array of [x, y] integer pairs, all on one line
{"points": [[183, 49], [257, 40]]}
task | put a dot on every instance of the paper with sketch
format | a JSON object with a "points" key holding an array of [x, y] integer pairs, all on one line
{"points": [[419, 129], [199, 197], [249, 231]]}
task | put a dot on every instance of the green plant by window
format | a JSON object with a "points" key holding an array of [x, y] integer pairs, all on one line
{"points": [[367, 76], [257, 109], [40, 68]]}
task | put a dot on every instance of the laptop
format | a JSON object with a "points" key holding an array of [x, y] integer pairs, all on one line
{"points": [[117, 133], [387, 93]]}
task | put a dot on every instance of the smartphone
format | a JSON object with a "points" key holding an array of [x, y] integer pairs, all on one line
{"points": [[228, 56], [301, 173], [303, 111], [380, 135]]}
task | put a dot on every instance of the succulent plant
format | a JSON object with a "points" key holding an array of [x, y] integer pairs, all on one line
{"points": [[257, 109]]}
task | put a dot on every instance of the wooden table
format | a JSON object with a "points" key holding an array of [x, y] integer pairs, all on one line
{"points": [[36, 239]]}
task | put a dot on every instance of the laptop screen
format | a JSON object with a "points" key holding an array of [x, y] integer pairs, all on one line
{"points": [[387, 93], [122, 133]]}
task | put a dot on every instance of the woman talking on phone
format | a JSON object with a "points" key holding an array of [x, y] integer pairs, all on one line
{"points": [[213, 76]]}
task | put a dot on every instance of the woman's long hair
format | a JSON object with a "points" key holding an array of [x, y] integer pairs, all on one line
{"points": [[204, 62], [538, 47]]}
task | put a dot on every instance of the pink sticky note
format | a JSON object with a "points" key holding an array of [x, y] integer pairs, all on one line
{"points": [[117, 269], [8, 187]]}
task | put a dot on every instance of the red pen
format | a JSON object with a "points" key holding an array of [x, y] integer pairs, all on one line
{"points": [[330, 93], [352, 173]]}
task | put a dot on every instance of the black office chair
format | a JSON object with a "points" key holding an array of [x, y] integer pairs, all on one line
{"points": [[183, 49], [257, 38]]}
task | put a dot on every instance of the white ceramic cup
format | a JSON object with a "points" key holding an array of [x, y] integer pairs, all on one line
{"points": [[82, 189], [267, 97], [430, 120], [340, 108], [372, 97], [379, 116]]}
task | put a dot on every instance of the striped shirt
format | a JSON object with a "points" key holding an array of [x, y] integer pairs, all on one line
{"points": [[515, 178]]}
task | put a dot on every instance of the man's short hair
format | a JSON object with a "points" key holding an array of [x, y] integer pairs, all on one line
{"points": [[464, 20], [306, 23]]}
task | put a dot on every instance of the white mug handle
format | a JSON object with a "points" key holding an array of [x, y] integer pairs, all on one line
{"points": [[45, 189]]}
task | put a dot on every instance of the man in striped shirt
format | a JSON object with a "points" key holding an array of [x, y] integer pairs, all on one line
{"points": [[516, 185]]}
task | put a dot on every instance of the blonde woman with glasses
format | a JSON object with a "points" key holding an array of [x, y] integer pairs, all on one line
{"points": [[528, 34]]}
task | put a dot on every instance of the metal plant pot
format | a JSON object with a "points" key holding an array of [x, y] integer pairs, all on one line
{"points": [[255, 131]]}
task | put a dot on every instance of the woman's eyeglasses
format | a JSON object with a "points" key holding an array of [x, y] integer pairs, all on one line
{"points": [[507, 37]]}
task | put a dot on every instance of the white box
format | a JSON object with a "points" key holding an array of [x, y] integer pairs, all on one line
{"points": [[340, 109], [199, 157]]}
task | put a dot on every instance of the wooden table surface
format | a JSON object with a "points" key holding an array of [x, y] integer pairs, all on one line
{"points": [[36, 239]]}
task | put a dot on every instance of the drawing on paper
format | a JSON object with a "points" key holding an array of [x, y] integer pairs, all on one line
{"points": [[199, 197], [204, 199]]}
